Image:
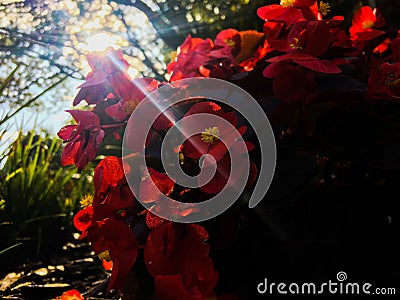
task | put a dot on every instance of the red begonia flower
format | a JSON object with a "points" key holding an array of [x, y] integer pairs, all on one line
{"points": [[83, 140], [365, 23], [232, 52], [83, 219], [210, 141], [108, 173], [191, 55], [111, 190], [310, 37], [384, 81], [226, 44], [148, 193], [179, 249], [108, 61], [115, 199], [134, 92], [305, 42], [117, 238], [70, 295], [276, 12], [108, 70], [290, 11]]}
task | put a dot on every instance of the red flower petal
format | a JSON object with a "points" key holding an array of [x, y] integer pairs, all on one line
{"points": [[362, 15], [69, 152], [365, 35], [275, 12], [204, 107], [322, 66], [66, 132], [276, 69], [119, 240], [195, 147], [153, 221], [110, 172], [317, 38], [364, 23], [83, 219], [201, 231], [94, 78], [107, 265], [92, 94], [70, 295], [163, 184], [292, 56], [86, 119]]}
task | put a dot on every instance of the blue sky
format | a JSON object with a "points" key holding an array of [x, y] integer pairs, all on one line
{"points": [[43, 117]]}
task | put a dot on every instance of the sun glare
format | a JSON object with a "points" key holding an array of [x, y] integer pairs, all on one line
{"points": [[101, 41]]}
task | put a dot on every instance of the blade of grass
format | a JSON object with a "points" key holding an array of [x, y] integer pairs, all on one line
{"points": [[4, 84], [9, 248], [31, 101]]}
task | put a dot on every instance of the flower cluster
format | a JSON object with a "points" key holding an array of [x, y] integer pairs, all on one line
{"points": [[299, 47], [232, 52], [117, 226]]}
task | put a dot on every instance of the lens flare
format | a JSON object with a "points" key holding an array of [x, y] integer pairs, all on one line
{"points": [[101, 41]]}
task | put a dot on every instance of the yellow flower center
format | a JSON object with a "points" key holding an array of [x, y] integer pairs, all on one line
{"points": [[173, 55], [392, 81], [324, 8], [209, 134], [181, 158], [229, 42], [105, 255], [368, 24], [86, 201], [295, 44], [130, 106], [287, 3]]}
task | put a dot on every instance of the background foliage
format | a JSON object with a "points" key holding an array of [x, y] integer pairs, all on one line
{"points": [[37, 195]]}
